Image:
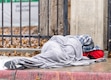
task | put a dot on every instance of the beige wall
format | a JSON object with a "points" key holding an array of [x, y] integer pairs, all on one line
{"points": [[87, 17]]}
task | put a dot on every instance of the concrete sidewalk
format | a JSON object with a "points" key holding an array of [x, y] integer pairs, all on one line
{"points": [[97, 71]]}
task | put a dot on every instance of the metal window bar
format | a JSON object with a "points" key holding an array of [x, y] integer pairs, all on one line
{"points": [[48, 18], [29, 22], [109, 25], [2, 22], [39, 23], [65, 13], [11, 24], [57, 14], [20, 22]]}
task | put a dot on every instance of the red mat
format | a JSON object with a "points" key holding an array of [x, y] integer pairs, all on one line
{"points": [[52, 75]]}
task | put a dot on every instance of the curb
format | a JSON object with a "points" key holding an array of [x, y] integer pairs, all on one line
{"points": [[51, 75]]}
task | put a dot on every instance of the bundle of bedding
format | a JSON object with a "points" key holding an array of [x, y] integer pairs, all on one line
{"points": [[59, 51]]}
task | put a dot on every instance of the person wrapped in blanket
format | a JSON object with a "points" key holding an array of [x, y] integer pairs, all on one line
{"points": [[89, 49], [61, 51]]}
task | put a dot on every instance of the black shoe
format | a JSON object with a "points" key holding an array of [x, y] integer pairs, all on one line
{"points": [[10, 65]]}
